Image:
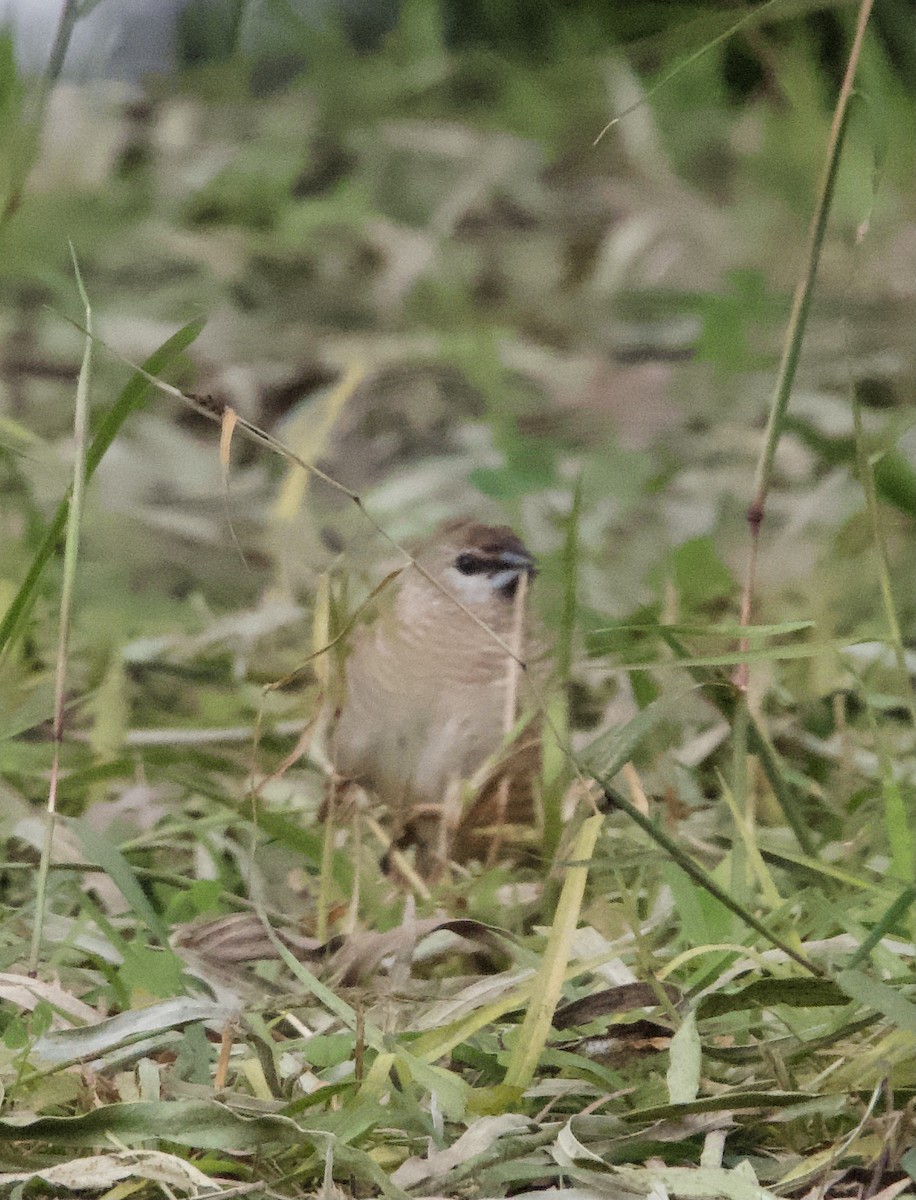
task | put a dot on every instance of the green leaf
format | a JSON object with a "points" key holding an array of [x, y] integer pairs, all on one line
{"points": [[93, 1041], [704, 920], [764, 993], [204, 1124], [726, 1102], [610, 750], [152, 969], [450, 1089], [109, 710], [895, 480], [202, 896], [874, 994], [760, 654], [101, 851], [723, 629], [699, 573], [530, 467], [328, 1049], [899, 827], [37, 707], [531, 1035], [892, 914]]}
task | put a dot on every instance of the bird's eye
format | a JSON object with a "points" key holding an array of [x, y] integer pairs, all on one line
{"points": [[467, 564]]}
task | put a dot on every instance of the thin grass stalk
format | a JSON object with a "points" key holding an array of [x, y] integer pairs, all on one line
{"points": [[564, 653], [325, 876], [897, 823], [326, 996], [70, 14], [325, 628], [899, 834], [795, 330], [756, 14], [71, 555], [746, 835], [738, 883], [514, 665], [510, 714], [555, 772]]}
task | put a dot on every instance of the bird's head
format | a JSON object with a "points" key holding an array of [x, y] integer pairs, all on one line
{"points": [[478, 563]]}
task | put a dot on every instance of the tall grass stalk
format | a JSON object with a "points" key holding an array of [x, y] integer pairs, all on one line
{"points": [[795, 332], [867, 479], [899, 833], [555, 771], [71, 554], [798, 319], [720, 692]]}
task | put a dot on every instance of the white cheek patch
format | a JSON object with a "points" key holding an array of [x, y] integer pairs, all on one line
{"points": [[502, 579], [472, 589]]}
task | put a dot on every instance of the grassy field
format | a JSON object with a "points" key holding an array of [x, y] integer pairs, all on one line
{"points": [[424, 269]]}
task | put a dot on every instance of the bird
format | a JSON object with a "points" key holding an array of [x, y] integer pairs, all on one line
{"points": [[429, 694]]}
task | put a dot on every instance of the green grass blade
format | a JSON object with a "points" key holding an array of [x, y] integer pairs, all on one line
{"points": [[887, 922], [760, 654], [564, 650], [867, 479], [872, 993], [697, 874], [556, 766], [720, 691], [133, 396]]}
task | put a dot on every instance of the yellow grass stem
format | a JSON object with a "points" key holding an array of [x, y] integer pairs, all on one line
{"points": [[532, 1035]]}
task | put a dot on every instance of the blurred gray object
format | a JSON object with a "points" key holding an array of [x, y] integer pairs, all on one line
{"points": [[116, 39], [127, 39]]}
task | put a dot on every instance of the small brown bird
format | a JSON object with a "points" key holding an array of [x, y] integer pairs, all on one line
{"points": [[430, 693]]}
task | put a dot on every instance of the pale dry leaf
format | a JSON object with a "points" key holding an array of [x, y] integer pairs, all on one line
{"points": [[98, 1171], [475, 1140], [489, 990], [25, 993], [88, 1041]]}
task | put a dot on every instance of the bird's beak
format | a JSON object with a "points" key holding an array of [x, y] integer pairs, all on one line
{"points": [[519, 562], [513, 565]]}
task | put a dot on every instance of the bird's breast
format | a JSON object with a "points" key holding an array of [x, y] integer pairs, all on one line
{"points": [[424, 707]]}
